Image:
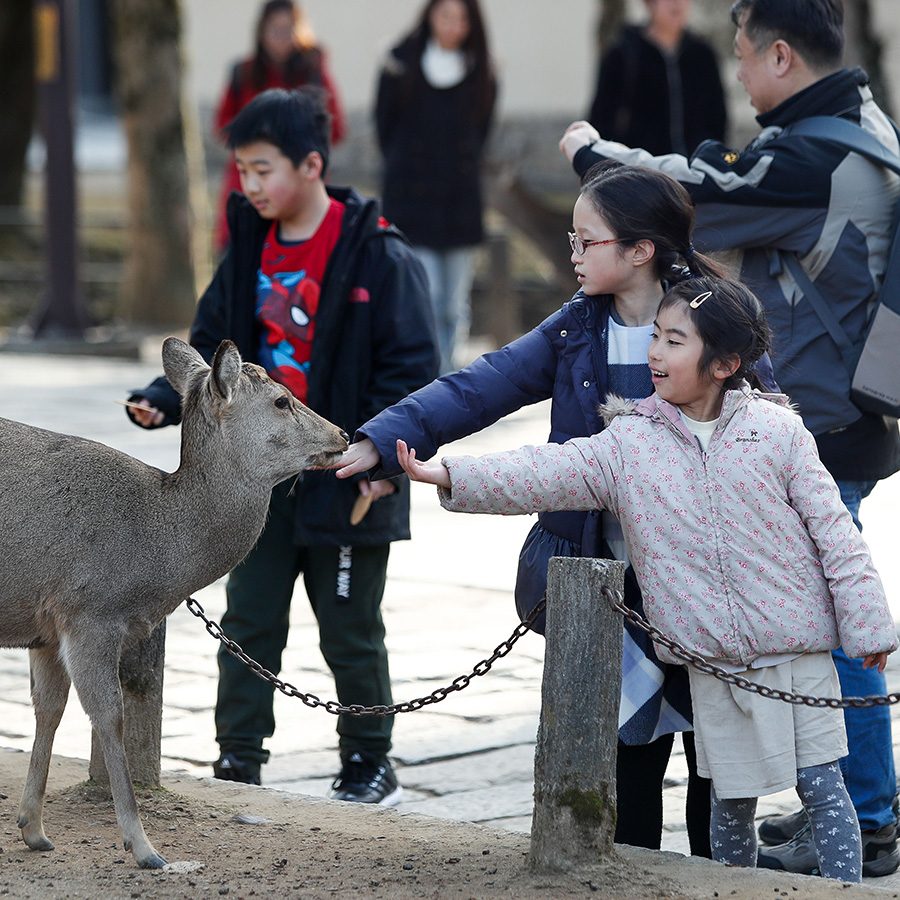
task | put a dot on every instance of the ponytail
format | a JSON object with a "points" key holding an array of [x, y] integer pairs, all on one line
{"points": [[646, 204]]}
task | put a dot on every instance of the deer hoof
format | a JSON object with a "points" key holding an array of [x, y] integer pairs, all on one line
{"points": [[38, 842], [34, 838], [152, 861]]}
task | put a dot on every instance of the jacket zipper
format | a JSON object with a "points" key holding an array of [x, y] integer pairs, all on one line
{"points": [[714, 525]]}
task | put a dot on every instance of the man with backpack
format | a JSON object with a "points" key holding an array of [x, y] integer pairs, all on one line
{"points": [[790, 199]]}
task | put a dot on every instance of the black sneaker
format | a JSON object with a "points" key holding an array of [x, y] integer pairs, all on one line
{"points": [[880, 853], [780, 829], [229, 768], [366, 779]]}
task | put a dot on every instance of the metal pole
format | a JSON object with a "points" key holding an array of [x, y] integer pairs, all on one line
{"points": [[61, 314], [575, 760]]}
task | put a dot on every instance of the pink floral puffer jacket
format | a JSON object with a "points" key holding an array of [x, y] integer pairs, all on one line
{"points": [[742, 551]]}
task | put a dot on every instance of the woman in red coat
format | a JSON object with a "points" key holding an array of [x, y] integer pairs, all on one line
{"points": [[286, 56]]}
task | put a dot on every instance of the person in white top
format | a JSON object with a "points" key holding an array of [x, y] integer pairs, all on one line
{"points": [[435, 103]]}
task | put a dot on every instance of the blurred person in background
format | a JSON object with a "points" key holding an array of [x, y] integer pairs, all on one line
{"points": [[285, 55], [435, 103], [658, 86]]}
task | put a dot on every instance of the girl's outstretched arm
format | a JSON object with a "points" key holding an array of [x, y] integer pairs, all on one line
{"points": [[432, 472]]}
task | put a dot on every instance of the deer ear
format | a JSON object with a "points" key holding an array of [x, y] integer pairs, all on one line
{"points": [[180, 362], [226, 370]]}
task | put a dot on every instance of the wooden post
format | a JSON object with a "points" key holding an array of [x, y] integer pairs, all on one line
{"points": [[575, 759], [141, 674], [503, 316]]}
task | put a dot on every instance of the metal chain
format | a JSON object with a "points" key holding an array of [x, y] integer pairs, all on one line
{"points": [[614, 598], [355, 709]]}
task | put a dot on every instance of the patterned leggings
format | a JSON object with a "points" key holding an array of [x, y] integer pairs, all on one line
{"points": [[835, 829]]}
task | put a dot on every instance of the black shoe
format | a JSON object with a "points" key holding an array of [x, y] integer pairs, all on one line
{"points": [[366, 779], [880, 853], [229, 768], [780, 829]]}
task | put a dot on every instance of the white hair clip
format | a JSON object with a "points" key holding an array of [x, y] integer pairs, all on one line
{"points": [[700, 299]]}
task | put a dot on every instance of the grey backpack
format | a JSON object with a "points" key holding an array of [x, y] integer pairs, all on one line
{"points": [[873, 365]]}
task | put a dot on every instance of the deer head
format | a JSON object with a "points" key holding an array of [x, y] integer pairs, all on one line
{"points": [[236, 418]]}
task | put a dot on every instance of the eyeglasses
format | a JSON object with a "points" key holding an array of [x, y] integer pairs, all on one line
{"points": [[579, 246]]}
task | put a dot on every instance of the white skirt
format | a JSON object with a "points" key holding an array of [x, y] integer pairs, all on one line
{"points": [[751, 745]]}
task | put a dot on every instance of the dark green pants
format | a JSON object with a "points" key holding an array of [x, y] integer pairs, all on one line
{"points": [[345, 586]]}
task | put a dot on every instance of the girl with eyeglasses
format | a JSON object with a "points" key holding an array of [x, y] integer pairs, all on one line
{"points": [[631, 239], [744, 551]]}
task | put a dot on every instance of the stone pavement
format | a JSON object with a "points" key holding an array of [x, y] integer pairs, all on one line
{"points": [[448, 604]]}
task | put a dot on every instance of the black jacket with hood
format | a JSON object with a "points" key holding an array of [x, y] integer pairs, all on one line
{"points": [[374, 344]]}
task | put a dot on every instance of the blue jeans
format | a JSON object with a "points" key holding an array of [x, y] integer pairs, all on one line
{"points": [[868, 768], [450, 274]]}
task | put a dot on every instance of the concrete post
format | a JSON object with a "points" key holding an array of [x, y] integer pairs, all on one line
{"points": [[141, 674], [575, 759]]}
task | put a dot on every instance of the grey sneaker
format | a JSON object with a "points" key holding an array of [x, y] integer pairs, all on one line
{"points": [[779, 829], [879, 849], [796, 855]]}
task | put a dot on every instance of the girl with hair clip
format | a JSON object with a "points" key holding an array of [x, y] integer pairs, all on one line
{"points": [[742, 548], [631, 238], [435, 103], [285, 55]]}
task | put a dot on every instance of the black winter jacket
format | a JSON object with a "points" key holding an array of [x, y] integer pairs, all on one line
{"points": [[663, 103], [374, 344], [432, 141]]}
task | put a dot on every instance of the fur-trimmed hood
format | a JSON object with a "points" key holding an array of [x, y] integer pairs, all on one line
{"points": [[620, 406]]}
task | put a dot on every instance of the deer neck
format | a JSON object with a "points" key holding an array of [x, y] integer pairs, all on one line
{"points": [[218, 512]]}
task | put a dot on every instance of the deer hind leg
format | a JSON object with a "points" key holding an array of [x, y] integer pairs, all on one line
{"points": [[93, 664], [49, 692]]}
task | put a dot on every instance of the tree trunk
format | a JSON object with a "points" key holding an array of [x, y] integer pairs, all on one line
{"points": [[864, 48], [17, 77], [158, 287]]}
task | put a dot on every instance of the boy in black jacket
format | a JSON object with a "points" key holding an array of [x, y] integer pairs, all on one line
{"points": [[322, 292]]}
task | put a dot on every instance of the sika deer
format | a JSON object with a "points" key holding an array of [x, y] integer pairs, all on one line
{"points": [[97, 548]]}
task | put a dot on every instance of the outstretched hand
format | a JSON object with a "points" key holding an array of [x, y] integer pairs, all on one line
{"points": [[358, 457], [577, 135], [432, 472]]}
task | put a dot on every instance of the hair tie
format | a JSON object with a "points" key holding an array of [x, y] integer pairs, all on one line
{"points": [[688, 251]]}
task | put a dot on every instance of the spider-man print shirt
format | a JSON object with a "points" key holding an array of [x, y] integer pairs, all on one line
{"points": [[287, 299]]}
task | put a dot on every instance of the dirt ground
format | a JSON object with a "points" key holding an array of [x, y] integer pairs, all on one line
{"points": [[238, 841]]}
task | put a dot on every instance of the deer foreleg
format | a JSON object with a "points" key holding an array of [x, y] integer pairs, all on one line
{"points": [[95, 673], [49, 692]]}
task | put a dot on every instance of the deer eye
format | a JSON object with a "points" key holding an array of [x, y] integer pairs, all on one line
{"points": [[282, 402]]}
